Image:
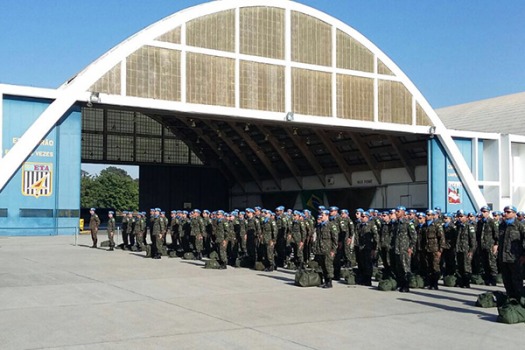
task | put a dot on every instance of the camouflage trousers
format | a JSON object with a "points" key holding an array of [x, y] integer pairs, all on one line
{"points": [[140, 240], [267, 252], [464, 264], [489, 262], [402, 267], [111, 239], [94, 232], [326, 261], [512, 274], [223, 256], [430, 263], [388, 259], [197, 242]]}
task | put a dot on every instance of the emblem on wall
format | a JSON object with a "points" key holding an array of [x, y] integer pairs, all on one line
{"points": [[37, 179]]}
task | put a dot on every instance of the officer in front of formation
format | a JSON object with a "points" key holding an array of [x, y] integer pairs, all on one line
{"points": [[511, 253], [94, 223]]}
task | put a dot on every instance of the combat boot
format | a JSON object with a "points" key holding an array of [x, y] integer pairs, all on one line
{"points": [[110, 249], [466, 281], [328, 283]]}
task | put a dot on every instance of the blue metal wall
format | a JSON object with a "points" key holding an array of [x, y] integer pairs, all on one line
{"points": [[446, 189], [57, 211]]}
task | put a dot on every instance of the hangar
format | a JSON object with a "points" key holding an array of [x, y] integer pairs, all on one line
{"points": [[227, 105]]}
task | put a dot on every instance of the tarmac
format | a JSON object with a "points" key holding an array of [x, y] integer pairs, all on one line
{"points": [[58, 295]]}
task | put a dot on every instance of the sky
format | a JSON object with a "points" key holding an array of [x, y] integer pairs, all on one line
{"points": [[454, 51]]}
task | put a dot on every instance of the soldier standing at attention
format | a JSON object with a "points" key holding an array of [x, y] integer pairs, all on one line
{"points": [[129, 230], [465, 247], [94, 223], [511, 253], [138, 231], [487, 240], [220, 239], [449, 250], [268, 237], [367, 239], [253, 230], [156, 234], [196, 235], [326, 246], [432, 244], [296, 239], [404, 240], [347, 227], [112, 226], [385, 245], [125, 238]]}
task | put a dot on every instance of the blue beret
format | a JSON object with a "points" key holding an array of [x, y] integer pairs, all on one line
{"points": [[521, 213], [344, 211], [359, 210], [111, 212], [257, 208], [250, 210], [307, 211], [392, 211], [437, 208], [197, 211], [124, 212], [321, 207], [510, 207], [319, 216], [174, 212], [93, 209], [296, 212], [241, 213], [412, 211], [420, 215], [401, 208], [334, 208], [220, 212], [152, 209], [430, 212], [365, 213], [158, 209], [371, 210], [460, 212], [447, 215], [143, 213], [325, 212], [279, 208], [206, 211], [484, 208], [163, 212]]}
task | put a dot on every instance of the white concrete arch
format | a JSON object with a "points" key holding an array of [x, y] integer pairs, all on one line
{"points": [[77, 89]]}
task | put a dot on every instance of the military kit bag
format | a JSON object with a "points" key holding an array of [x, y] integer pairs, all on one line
{"points": [[491, 299], [378, 275], [259, 266], [214, 255], [350, 279], [307, 278], [477, 279], [188, 256], [104, 244], [512, 312], [212, 264], [450, 280], [312, 264], [416, 281], [387, 285], [346, 272], [172, 254]]}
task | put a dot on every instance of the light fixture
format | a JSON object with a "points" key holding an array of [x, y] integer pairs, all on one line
{"points": [[193, 125], [93, 98], [247, 127], [266, 137], [198, 140], [289, 117], [340, 136], [295, 131], [307, 140], [219, 148], [432, 131]]}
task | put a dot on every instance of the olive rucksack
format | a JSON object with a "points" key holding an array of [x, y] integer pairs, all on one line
{"points": [[389, 284], [164, 251], [214, 255], [307, 278], [312, 264], [172, 254], [450, 280], [259, 266], [512, 312], [346, 272], [378, 275], [416, 281], [477, 279], [104, 244], [491, 299], [212, 264], [350, 279], [188, 256]]}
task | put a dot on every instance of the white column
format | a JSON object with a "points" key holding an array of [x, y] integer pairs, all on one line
{"points": [[288, 60]]}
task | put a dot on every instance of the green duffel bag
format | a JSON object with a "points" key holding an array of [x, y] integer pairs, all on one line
{"points": [[378, 275], [104, 244], [450, 280], [307, 278], [387, 285], [259, 266], [486, 300], [499, 278], [512, 312], [214, 255], [416, 281], [212, 264], [172, 254], [148, 251], [312, 264], [188, 256], [350, 279], [346, 272], [477, 279], [164, 251]]}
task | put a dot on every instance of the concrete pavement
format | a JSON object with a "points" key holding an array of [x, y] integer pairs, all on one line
{"points": [[55, 295]]}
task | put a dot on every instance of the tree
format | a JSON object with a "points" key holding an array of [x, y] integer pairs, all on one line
{"points": [[113, 188]]}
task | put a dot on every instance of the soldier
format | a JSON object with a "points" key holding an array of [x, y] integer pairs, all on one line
{"points": [[242, 233], [166, 223], [385, 244], [174, 229], [296, 239], [112, 226], [347, 227], [124, 226], [432, 244], [156, 234], [138, 231], [150, 225], [196, 235], [336, 219], [267, 240], [367, 239], [309, 235], [129, 230], [326, 246], [283, 230], [487, 243], [404, 239], [220, 239], [465, 247], [511, 253], [208, 231], [232, 247], [449, 250], [253, 230], [94, 223]]}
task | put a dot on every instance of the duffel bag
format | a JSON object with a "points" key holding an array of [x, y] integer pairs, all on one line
{"points": [[259, 266], [450, 280], [486, 300], [512, 312], [477, 279], [387, 285], [307, 278], [214, 255], [188, 256], [350, 279], [212, 264]]}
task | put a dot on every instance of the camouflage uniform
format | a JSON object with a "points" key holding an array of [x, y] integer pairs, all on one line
{"points": [[94, 223], [385, 249], [487, 239], [253, 230], [266, 246], [325, 248], [159, 226], [404, 238], [367, 239], [465, 247], [112, 227], [296, 241], [220, 241], [448, 257], [432, 244], [124, 226], [511, 249], [196, 235], [129, 230], [138, 231]]}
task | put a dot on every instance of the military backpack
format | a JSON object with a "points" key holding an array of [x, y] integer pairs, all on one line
{"points": [[307, 278]]}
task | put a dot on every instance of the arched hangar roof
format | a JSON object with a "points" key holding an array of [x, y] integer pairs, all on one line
{"points": [[273, 61]]}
